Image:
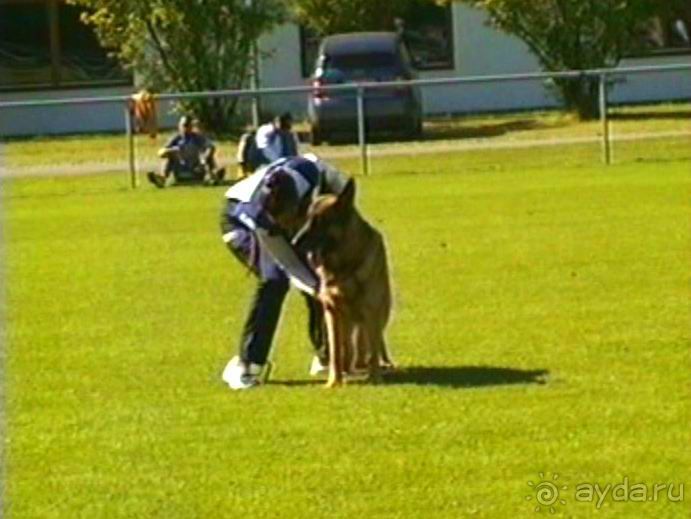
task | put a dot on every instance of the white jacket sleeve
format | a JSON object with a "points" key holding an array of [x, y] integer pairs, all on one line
{"points": [[279, 248], [268, 143]]}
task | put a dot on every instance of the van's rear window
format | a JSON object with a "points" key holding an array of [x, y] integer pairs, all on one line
{"points": [[370, 60]]}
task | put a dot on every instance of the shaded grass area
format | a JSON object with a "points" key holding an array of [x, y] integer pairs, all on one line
{"points": [[555, 124], [541, 326]]}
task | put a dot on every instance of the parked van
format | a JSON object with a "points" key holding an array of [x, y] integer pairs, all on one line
{"points": [[358, 58]]}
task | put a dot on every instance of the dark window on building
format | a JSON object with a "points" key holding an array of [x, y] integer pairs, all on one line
{"points": [[43, 44], [428, 33], [309, 49], [25, 57], [668, 35], [427, 30]]}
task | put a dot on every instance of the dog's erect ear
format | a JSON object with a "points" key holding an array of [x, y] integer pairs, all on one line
{"points": [[346, 200]]}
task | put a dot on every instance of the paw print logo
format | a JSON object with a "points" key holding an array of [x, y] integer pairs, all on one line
{"points": [[546, 493]]}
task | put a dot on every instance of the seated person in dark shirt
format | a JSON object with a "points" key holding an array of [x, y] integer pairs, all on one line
{"points": [[189, 156]]}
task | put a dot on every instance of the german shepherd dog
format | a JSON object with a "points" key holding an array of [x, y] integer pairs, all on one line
{"points": [[349, 257]]}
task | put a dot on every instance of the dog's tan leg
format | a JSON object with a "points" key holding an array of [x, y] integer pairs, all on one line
{"points": [[386, 362], [341, 345], [334, 328], [374, 341], [384, 356], [359, 350], [350, 353]]}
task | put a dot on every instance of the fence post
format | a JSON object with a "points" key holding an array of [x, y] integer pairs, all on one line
{"points": [[255, 111], [606, 145], [254, 76], [364, 161], [129, 125]]}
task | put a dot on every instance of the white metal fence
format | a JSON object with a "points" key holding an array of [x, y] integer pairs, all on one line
{"points": [[603, 76]]}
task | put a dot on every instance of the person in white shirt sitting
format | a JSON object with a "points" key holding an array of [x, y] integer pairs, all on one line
{"points": [[276, 139]]}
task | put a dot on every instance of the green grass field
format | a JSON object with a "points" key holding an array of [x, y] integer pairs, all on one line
{"points": [[541, 326]]}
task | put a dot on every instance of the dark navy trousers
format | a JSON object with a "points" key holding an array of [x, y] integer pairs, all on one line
{"points": [[272, 288]]}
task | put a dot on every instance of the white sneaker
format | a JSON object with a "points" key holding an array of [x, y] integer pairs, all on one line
{"points": [[317, 368], [239, 375]]}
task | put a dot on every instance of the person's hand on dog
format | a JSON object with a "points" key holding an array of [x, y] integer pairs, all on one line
{"points": [[329, 296]]}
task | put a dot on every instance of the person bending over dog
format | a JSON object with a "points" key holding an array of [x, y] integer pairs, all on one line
{"points": [[261, 215], [188, 156]]}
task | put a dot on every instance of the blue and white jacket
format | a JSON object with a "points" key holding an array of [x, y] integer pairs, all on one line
{"points": [[312, 177]]}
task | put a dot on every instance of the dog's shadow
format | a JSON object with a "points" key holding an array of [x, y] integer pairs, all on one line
{"points": [[466, 376], [448, 376]]}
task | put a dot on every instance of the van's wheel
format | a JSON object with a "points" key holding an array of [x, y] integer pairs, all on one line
{"points": [[418, 127], [414, 129], [316, 136]]}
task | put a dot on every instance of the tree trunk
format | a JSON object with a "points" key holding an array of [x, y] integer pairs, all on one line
{"points": [[581, 95], [216, 115]]}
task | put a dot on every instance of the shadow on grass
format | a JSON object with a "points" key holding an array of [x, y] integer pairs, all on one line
{"points": [[643, 116], [297, 383], [457, 129], [466, 376], [447, 376], [441, 131]]}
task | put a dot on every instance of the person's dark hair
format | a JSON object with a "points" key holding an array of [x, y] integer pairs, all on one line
{"points": [[285, 119], [186, 120], [281, 193]]}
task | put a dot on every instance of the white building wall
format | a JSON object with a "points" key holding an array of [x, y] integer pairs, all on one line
{"points": [[649, 86], [480, 50], [92, 117], [280, 66]]}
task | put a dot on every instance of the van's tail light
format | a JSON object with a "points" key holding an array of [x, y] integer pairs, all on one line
{"points": [[318, 90]]}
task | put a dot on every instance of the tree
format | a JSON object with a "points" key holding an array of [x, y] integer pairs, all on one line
{"points": [[576, 35], [335, 16], [186, 45]]}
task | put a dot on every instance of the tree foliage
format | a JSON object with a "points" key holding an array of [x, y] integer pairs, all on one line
{"points": [[335, 16], [185, 45], [576, 35]]}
